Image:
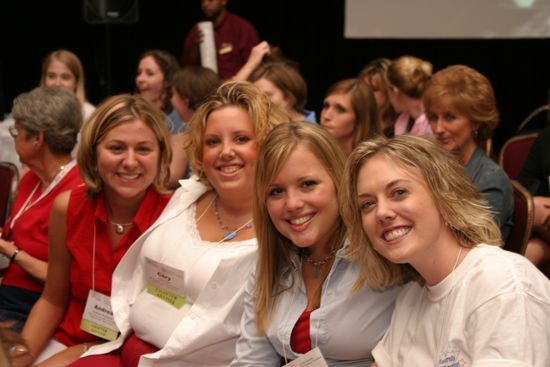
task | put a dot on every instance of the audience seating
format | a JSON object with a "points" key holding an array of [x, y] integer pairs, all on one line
{"points": [[9, 179], [523, 219], [514, 152]]}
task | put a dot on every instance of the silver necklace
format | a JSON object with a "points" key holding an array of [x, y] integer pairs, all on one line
{"points": [[119, 227], [317, 264], [230, 233]]}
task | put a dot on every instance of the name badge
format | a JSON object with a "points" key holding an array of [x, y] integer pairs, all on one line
{"points": [[313, 358], [165, 283], [98, 316], [225, 48]]}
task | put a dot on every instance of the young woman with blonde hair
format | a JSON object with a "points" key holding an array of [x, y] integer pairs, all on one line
{"points": [[301, 299], [416, 219]]}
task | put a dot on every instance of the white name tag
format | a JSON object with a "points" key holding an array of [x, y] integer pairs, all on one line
{"points": [[98, 316], [165, 282], [313, 358]]}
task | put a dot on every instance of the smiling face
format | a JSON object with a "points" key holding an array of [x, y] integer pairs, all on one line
{"points": [[229, 150], [398, 213], [453, 129], [302, 203], [338, 117], [128, 159], [58, 75], [150, 80]]}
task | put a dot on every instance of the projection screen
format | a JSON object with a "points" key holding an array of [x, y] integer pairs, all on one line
{"points": [[435, 19]]}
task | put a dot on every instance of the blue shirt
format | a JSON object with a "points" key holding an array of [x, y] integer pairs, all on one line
{"points": [[345, 327], [491, 180]]}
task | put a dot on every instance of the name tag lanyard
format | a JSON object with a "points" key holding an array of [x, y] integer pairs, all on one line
{"points": [[28, 204]]}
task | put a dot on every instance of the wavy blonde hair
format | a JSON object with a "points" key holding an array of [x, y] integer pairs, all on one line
{"points": [[460, 204], [273, 248], [263, 114], [410, 75]]}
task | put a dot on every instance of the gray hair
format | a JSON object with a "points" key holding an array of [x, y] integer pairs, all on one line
{"points": [[54, 111]]}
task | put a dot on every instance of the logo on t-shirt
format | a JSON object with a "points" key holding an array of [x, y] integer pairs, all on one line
{"points": [[451, 357]]}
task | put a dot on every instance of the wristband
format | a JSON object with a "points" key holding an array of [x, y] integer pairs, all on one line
{"points": [[12, 258]]}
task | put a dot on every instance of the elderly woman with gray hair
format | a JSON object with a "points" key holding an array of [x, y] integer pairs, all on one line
{"points": [[46, 125]]}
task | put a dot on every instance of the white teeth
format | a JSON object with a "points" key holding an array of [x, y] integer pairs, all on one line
{"points": [[302, 220], [229, 169], [396, 233], [129, 177]]}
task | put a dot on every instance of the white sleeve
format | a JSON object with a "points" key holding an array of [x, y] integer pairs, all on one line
{"points": [[510, 329], [253, 349]]}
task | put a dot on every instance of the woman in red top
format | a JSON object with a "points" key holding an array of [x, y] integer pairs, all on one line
{"points": [[47, 122], [123, 158]]}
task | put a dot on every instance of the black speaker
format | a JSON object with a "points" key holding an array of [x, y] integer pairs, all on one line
{"points": [[110, 11]]}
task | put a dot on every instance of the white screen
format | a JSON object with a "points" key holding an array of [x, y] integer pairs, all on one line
{"points": [[447, 19]]}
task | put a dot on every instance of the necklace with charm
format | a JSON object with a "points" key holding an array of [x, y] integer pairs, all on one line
{"points": [[230, 233], [318, 263], [120, 227]]}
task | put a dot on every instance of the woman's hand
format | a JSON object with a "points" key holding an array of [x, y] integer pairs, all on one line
{"points": [[7, 248]]}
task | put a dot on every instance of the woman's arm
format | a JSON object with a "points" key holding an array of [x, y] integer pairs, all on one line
{"points": [[35, 267], [253, 349], [179, 162], [254, 60], [48, 311]]}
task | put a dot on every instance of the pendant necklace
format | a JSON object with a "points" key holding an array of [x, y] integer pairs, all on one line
{"points": [[317, 264], [119, 227], [230, 233]]}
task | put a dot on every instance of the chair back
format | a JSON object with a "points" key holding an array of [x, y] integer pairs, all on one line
{"points": [[9, 180], [487, 146], [514, 152], [523, 219]]}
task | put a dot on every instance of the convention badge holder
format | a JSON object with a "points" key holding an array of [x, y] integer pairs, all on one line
{"points": [[98, 316], [313, 358], [165, 283]]}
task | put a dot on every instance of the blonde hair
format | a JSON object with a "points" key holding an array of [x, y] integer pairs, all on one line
{"points": [[469, 92], [273, 248], [72, 62], [460, 204], [112, 112], [262, 113], [410, 75]]}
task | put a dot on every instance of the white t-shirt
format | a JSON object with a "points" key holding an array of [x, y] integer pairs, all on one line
{"points": [[493, 310]]}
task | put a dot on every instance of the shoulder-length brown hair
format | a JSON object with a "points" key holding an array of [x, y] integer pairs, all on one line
{"points": [[111, 113]]}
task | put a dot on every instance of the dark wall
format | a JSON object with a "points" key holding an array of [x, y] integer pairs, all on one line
{"points": [[307, 31]]}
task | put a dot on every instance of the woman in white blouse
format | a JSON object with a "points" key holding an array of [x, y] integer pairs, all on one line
{"points": [[177, 293]]}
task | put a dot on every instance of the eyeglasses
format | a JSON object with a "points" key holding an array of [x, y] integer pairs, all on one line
{"points": [[13, 131]]}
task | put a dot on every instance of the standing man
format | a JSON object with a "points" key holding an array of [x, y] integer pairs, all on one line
{"points": [[234, 38]]}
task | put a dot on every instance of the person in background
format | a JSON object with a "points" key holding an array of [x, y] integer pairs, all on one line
{"points": [[123, 160], [535, 176], [286, 88], [407, 77], [350, 114], [461, 109], [375, 75], [156, 69], [191, 86], [302, 297], [63, 69], [234, 38], [177, 294], [416, 219], [47, 122]]}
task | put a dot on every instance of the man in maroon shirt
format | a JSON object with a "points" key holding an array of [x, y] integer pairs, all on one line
{"points": [[234, 38]]}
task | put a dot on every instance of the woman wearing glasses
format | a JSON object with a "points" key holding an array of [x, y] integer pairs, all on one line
{"points": [[47, 121]]}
